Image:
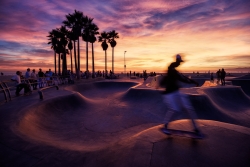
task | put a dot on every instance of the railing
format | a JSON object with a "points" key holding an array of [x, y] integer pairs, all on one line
{"points": [[8, 88]]}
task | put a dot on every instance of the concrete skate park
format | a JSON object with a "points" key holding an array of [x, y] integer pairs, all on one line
{"points": [[116, 123]]}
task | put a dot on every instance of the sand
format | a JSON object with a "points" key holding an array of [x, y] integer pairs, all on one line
{"points": [[116, 123]]}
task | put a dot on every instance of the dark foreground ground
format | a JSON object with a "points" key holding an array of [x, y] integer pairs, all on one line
{"points": [[116, 123]]}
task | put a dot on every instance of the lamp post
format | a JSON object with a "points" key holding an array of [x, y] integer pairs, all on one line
{"points": [[124, 63]]}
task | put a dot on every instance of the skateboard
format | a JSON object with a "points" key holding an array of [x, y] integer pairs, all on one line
{"points": [[183, 133]]}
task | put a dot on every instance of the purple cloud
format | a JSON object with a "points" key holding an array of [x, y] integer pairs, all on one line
{"points": [[25, 24]]}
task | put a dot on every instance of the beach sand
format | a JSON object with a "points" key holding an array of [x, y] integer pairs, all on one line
{"points": [[116, 123]]}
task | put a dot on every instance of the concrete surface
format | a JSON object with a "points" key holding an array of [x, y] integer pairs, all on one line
{"points": [[116, 123]]}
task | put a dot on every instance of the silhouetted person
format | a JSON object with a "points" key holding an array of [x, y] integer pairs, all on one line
{"points": [[34, 79], [212, 77], [218, 74], [41, 75], [145, 76], [50, 73], [173, 98], [19, 84], [27, 74], [223, 75]]}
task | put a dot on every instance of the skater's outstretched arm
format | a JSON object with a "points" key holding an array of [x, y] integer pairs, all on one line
{"points": [[185, 79]]}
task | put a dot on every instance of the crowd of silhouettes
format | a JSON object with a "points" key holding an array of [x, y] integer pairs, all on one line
{"points": [[30, 78], [221, 75]]}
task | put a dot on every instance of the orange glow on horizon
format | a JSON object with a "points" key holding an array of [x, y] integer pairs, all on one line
{"points": [[210, 36]]}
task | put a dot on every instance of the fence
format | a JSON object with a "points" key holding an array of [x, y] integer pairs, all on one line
{"points": [[8, 88]]}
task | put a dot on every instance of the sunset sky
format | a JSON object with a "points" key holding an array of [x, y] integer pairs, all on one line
{"points": [[211, 34]]}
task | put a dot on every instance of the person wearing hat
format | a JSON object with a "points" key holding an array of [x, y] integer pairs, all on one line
{"points": [[173, 98]]}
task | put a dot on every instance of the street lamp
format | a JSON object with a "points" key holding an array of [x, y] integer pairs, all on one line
{"points": [[124, 63]]}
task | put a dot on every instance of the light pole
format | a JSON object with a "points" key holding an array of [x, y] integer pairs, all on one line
{"points": [[124, 63]]}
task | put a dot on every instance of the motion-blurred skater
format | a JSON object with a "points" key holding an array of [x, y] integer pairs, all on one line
{"points": [[173, 98]]}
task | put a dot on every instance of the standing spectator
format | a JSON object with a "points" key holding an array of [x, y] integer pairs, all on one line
{"points": [[212, 77], [218, 74], [50, 73], [33, 79], [41, 77], [20, 85], [48, 79], [223, 75], [27, 74], [40, 73], [145, 76]]}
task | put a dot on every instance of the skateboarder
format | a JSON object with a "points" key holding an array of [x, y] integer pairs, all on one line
{"points": [[173, 98]]}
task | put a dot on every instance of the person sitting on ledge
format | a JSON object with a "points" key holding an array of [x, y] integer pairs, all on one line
{"points": [[20, 85]]}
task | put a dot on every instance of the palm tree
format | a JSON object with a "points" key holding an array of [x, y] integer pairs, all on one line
{"points": [[104, 38], [53, 42], [62, 43], [70, 23], [86, 35], [70, 47], [93, 32], [56, 44], [70, 37], [112, 36], [75, 22], [58, 50]]}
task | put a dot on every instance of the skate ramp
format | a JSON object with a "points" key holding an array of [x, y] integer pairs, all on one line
{"points": [[247, 76], [230, 98], [116, 124], [243, 83], [209, 84], [59, 123], [154, 82], [52, 120], [101, 89]]}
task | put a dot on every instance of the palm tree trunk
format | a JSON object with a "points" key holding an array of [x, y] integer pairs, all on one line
{"points": [[78, 69], [55, 60], [105, 63], [93, 64], [87, 57], [64, 64], [71, 62], [59, 64], [113, 59], [75, 56]]}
